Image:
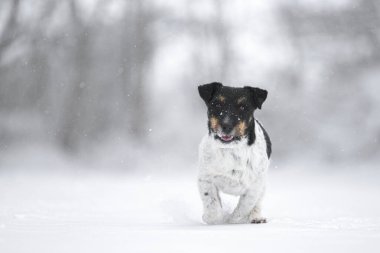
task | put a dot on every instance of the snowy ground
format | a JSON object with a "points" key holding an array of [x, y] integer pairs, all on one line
{"points": [[329, 211]]}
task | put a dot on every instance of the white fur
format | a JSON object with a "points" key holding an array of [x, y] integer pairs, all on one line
{"points": [[236, 169]]}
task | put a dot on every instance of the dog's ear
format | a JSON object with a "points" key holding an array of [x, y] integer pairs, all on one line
{"points": [[258, 95], [207, 91]]}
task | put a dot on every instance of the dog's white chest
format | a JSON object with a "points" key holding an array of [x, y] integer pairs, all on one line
{"points": [[231, 169], [234, 168]]}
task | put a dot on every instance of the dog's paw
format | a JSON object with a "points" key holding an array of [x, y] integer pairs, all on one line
{"points": [[213, 218], [258, 220]]}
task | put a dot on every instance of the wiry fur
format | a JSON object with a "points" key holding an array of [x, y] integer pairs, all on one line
{"points": [[237, 168]]}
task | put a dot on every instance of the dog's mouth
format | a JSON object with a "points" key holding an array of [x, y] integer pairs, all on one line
{"points": [[226, 138]]}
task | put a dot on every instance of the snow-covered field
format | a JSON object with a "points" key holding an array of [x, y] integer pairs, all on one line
{"points": [[332, 210]]}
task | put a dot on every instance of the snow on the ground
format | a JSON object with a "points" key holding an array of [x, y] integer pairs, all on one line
{"points": [[326, 211]]}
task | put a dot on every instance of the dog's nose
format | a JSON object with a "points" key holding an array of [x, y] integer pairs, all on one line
{"points": [[227, 128]]}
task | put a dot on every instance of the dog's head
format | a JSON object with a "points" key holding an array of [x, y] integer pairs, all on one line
{"points": [[230, 110]]}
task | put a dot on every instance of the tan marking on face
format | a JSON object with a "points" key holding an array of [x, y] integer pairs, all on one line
{"points": [[242, 99], [214, 123], [240, 128], [221, 98]]}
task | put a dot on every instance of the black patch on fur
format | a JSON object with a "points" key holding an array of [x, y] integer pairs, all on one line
{"points": [[267, 140], [258, 95], [207, 91], [251, 133], [232, 106]]}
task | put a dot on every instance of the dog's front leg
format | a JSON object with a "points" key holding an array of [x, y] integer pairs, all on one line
{"points": [[246, 203], [212, 208]]}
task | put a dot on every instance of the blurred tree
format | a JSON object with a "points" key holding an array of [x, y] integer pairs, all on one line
{"points": [[39, 54], [334, 47], [213, 56], [72, 127], [9, 32], [137, 50], [222, 37]]}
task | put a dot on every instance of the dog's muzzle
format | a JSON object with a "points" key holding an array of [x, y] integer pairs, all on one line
{"points": [[226, 138]]}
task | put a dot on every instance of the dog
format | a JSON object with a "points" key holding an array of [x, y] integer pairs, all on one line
{"points": [[234, 155]]}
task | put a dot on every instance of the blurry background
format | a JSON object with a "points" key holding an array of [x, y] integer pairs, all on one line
{"points": [[112, 84]]}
